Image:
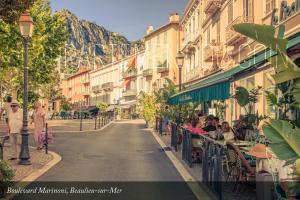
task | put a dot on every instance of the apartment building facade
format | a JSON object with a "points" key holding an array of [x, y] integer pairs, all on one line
{"points": [[215, 52], [161, 48], [76, 88]]}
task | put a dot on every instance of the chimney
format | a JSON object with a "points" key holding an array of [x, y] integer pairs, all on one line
{"points": [[149, 29], [174, 17]]}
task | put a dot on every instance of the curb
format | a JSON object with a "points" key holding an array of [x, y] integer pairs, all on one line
{"points": [[198, 191], [35, 175], [86, 131]]}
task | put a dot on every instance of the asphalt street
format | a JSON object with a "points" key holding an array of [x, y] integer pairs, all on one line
{"points": [[124, 155]]}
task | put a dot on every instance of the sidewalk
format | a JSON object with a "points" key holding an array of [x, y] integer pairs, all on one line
{"points": [[195, 171], [38, 159]]}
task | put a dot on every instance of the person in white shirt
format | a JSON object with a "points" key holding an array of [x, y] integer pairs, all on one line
{"points": [[15, 127], [6, 109]]}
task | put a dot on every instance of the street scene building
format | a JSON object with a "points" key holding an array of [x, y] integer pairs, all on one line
{"points": [[199, 99]]}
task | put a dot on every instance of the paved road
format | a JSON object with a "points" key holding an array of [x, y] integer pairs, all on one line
{"points": [[124, 154]]}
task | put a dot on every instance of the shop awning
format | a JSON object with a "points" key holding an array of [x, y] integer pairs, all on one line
{"points": [[217, 87]]}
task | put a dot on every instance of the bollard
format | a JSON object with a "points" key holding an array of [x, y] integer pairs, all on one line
{"points": [[99, 121], [46, 138], [80, 121], [95, 122], [160, 126], [1, 152]]}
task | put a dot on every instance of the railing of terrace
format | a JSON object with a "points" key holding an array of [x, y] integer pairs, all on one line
{"points": [[187, 147], [174, 136]]}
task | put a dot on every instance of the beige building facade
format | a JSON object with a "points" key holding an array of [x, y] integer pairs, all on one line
{"points": [[212, 47], [161, 48]]}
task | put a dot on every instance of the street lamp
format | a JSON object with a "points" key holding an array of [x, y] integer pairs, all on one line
{"points": [[180, 60], [26, 29]]}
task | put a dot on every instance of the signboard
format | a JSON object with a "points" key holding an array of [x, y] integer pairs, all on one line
{"points": [[285, 12]]}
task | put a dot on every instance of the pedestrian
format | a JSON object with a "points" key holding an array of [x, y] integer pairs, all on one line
{"points": [[6, 108], [14, 127], [39, 124]]}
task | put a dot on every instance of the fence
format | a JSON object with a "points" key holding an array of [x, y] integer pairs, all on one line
{"points": [[212, 156]]}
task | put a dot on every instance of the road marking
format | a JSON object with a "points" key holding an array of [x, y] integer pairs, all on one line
{"points": [[187, 177]]}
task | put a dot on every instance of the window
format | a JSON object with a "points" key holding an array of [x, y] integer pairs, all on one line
{"points": [[269, 6], [194, 25], [166, 37], [248, 8], [230, 12], [208, 35]]}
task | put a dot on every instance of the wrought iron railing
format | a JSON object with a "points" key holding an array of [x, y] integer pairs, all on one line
{"points": [[231, 35]]}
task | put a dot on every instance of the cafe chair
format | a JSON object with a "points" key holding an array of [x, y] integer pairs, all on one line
{"points": [[240, 170]]}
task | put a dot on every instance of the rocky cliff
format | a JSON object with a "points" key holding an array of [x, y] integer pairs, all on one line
{"points": [[91, 45]]}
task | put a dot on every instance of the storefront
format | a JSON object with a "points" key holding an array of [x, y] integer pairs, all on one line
{"points": [[218, 88]]}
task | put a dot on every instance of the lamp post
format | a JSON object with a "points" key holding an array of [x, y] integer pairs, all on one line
{"points": [[180, 60], [26, 29]]}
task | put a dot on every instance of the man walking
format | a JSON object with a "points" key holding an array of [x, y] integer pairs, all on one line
{"points": [[14, 126], [6, 109]]}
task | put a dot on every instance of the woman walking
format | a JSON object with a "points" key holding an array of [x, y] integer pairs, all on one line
{"points": [[39, 124]]}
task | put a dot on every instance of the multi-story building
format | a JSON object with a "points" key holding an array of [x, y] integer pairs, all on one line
{"points": [[160, 54], [133, 82], [105, 84], [76, 88], [218, 59]]}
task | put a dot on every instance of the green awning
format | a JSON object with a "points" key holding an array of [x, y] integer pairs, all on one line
{"points": [[217, 87], [218, 91]]}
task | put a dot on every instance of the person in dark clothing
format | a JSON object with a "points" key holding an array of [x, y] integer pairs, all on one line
{"points": [[210, 124]]}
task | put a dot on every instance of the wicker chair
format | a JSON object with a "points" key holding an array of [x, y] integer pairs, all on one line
{"points": [[239, 168]]}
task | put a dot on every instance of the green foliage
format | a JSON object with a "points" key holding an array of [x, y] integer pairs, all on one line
{"points": [[10, 10], [284, 140], [147, 107], [65, 106], [102, 106], [33, 97], [242, 96], [6, 176], [285, 68], [48, 39]]}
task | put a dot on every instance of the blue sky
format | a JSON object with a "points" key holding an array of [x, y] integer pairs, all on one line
{"points": [[127, 17]]}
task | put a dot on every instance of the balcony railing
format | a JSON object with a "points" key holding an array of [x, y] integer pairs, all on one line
{"points": [[85, 93], [107, 86], [85, 81], [232, 37], [129, 93], [161, 68], [213, 52], [129, 74], [148, 72], [96, 89], [211, 6]]}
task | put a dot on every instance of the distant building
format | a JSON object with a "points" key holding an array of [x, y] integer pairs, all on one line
{"points": [[76, 88]]}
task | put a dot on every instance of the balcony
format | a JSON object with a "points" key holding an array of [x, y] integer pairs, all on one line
{"points": [[213, 52], [211, 6], [85, 93], [96, 89], [107, 86], [148, 72], [129, 93], [233, 37], [85, 81], [161, 68], [129, 74]]}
